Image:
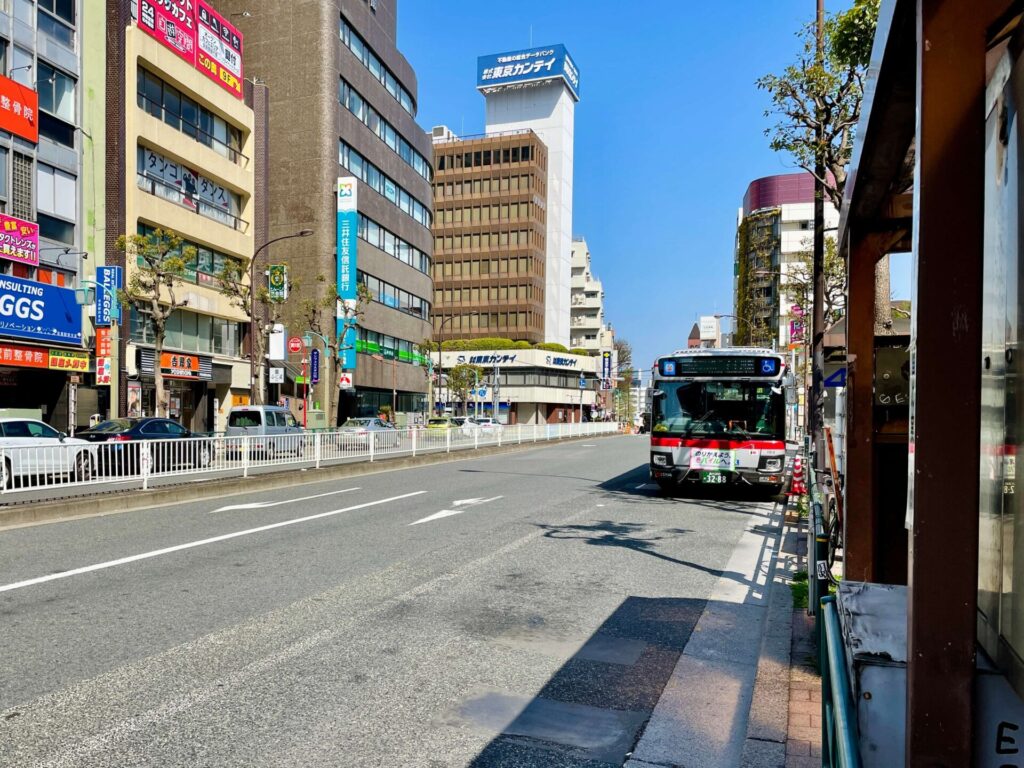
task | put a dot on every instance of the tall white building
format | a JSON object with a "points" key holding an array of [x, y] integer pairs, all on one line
{"points": [[537, 89], [588, 328]]}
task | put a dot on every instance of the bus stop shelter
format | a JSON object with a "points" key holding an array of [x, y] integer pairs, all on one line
{"points": [[917, 184]]}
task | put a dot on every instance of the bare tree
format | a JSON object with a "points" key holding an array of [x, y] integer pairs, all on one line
{"points": [[158, 262]]}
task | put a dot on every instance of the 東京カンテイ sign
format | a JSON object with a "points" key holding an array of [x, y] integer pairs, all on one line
{"points": [[533, 66], [348, 221], [31, 310]]}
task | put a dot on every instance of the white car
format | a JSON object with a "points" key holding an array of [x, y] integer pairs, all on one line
{"points": [[487, 426], [33, 451]]}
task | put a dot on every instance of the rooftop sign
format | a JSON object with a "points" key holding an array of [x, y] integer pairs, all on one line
{"points": [[533, 66]]}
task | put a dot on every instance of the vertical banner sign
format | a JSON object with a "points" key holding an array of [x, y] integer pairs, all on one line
{"points": [[218, 49], [108, 308], [347, 225], [173, 23], [19, 240], [314, 366], [277, 280], [606, 364]]}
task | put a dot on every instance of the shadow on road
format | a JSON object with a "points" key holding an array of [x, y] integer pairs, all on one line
{"points": [[592, 710], [635, 486]]}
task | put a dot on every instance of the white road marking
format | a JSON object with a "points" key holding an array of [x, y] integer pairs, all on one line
{"points": [[647, 486], [589, 445], [193, 544], [449, 512], [265, 504]]}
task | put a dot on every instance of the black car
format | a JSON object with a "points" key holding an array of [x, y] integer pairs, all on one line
{"points": [[125, 446]]}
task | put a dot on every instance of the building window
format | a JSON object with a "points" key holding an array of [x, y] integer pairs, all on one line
{"points": [[178, 184], [21, 66], [358, 106], [369, 59], [382, 184], [56, 92], [21, 206], [56, 18], [167, 103], [56, 203]]}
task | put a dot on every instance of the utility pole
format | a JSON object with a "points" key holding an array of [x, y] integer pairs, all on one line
{"points": [[816, 416]]}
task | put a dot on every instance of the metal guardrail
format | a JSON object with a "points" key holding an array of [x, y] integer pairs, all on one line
{"points": [[78, 465], [839, 733]]}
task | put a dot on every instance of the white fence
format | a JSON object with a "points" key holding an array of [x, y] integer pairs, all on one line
{"points": [[71, 465]]}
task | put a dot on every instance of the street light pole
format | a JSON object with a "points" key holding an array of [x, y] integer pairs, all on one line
{"points": [[252, 305]]}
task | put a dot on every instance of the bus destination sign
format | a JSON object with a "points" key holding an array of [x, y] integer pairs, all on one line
{"points": [[720, 366]]}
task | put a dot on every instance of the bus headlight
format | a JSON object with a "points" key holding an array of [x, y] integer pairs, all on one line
{"points": [[773, 465], [660, 459]]}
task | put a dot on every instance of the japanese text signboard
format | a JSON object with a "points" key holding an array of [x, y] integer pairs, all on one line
{"points": [[533, 66], [24, 357], [314, 366], [175, 365], [31, 310], [19, 109], [103, 342], [19, 240], [606, 364], [277, 282], [108, 308], [69, 360], [103, 371], [219, 49], [173, 23], [346, 284]]}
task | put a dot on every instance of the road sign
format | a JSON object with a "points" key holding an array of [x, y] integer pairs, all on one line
{"points": [[294, 344], [277, 375], [345, 381], [606, 384], [314, 366], [837, 379], [583, 383]]}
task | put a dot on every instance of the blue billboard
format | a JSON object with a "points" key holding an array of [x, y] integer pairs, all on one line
{"points": [[108, 308], [31, 310], [348, 223], [533, 65]]}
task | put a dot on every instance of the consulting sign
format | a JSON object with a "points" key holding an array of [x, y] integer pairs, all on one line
{"points": [[31, 310], [521, 69], [348, 222]]}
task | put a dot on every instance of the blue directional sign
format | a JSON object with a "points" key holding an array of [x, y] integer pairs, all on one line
{"points": [[837, 379], [314, 366]]}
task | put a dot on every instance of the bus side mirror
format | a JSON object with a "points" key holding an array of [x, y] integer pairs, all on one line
{"points": [[657, 394]]}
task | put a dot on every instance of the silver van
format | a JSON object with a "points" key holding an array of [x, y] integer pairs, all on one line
{"points": [[271, 428]]}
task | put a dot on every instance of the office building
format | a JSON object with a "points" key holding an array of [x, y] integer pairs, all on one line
{"points": [[345, 107], [490, 201], [590, 332], [534, 386], [179, 147], [774, 234], [537, 89], [51, 171]]}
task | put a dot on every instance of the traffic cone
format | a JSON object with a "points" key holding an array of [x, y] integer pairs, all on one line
{"points": [[798, 487]]}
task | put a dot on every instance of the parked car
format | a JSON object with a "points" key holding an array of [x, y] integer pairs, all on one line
{"points": [[464, 425], [487, 425], [33, 450], [271, 429], [123, 445], [355, 434], [441, 424]]}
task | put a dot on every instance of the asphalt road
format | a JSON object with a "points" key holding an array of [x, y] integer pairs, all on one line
{"points": [[519, 610]]}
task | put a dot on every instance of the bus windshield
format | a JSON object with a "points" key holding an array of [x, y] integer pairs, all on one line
{"points": [[722, 409]]}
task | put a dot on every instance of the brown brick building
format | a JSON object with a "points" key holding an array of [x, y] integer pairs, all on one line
{"points": [[490, 199]]}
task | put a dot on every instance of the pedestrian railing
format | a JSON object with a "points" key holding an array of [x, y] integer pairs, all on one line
{"points": [[71, 465], [839, 733]]}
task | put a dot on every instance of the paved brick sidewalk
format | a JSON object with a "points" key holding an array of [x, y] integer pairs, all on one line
{"points": [[803, 742]]}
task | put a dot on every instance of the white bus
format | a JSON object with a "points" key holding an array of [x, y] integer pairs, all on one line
{"points": [[718, 416]]}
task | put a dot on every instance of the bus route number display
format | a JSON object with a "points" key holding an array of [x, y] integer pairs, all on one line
{"points": [[720, 366]]}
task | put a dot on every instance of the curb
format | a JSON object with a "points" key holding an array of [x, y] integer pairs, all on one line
{"points": [[768, 721], [131, 500]]}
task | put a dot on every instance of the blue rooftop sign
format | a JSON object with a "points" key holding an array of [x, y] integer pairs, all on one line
{"points": [[528, 67]]}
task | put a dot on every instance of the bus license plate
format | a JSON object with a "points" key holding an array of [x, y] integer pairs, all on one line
{"points": [[712, 477]]}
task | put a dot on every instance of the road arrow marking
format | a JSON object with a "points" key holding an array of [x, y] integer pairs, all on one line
{"points": [[267, 504], [449, 512]]}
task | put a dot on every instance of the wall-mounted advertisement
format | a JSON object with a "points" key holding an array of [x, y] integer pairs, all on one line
{"points": [[19, 240], [108, 308], [346, 282], [173, 23], [219, 50], [31, 310], [19, 109]]}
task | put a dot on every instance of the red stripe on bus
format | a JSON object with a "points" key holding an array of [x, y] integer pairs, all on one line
{"points": [[730, 445]]}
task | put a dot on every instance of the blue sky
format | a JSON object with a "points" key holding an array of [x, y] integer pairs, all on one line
{"points": [[669, 131]]}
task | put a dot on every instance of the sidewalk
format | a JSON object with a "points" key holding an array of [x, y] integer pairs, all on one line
{"points": [[745, 692]]}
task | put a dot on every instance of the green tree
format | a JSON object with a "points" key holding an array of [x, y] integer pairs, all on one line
{"points": [[233, 282], [157, 263], [624, 366], [318, 311], [460, 380]]}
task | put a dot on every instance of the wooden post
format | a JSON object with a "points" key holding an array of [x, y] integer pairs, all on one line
{"points": [[946, 405]]}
